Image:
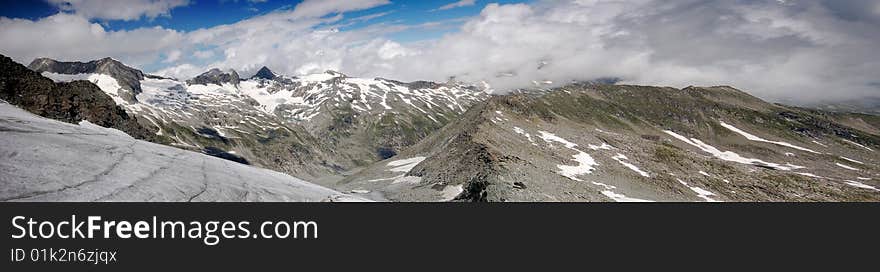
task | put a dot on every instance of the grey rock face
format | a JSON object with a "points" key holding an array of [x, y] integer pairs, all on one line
{"points": [[127, 77], [215, 76]]}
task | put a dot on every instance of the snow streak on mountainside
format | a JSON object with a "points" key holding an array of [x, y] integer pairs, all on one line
{"points": [[310, 125], [47, 160], [594, 142]]}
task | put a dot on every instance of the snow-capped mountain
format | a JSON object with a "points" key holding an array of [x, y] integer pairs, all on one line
{"points": [[310, 125], [121, 82], [362, 120], [422, 141]]}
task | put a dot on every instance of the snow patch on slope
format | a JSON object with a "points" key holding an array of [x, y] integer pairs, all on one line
{"points": [[620, 158], [844, 166], [858, 144], [106, 83], [585, 161], [759, 139], [528, 136], [860, 185], [586, 165], [701, 193], [728, 155], [622, 198], [450, 192], [405, 165], [851, 160]]}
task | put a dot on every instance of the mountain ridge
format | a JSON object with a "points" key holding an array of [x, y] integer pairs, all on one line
{"points": [[69, 102], [585, 141], [127, 77]]}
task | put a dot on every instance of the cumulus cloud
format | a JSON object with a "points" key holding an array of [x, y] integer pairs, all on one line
{"points": [[797, 51], [172, 56], [72, 37], [119, 9], [457, 4]]}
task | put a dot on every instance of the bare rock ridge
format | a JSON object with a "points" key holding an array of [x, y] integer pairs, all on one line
{"points": [[127, 77], [597, 142], [215, 76], [70, 102]]}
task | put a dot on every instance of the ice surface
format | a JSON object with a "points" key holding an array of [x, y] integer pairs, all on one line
{"points": [[48, 160]]}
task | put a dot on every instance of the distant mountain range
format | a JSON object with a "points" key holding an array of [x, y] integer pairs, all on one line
{"points": [[383, 139]]}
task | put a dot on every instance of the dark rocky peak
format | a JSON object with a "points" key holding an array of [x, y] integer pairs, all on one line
{"points": [[265, 73], [127, 77], [215, 76]]}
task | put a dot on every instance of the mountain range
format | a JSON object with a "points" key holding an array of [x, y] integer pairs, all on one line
{"points": [[387, 140]]}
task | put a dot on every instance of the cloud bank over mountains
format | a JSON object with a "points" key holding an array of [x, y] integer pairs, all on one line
{"points": [[799, 51]]}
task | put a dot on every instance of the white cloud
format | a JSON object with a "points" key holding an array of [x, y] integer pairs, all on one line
{"points": [[203, 54], [317, 8], [182, 71], [71, 37], [799, 51], [458, 4], [172, 56], [119, 9]]}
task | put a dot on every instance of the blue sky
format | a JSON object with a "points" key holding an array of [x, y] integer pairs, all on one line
{"points": [[193, 15]]}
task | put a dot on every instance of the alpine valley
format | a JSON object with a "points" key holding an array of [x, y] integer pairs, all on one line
{"points": [[121, 134]]}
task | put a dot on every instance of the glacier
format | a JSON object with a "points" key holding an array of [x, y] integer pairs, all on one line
{"points": [[47, 160]]}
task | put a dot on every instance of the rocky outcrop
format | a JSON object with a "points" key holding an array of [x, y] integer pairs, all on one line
{"points": [[265, 73], [127, 77], [69, 102], [215, 76]]}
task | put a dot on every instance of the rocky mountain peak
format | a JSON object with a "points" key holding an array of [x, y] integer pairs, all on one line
{"points": [[128, 78], [265, 73], [215, 76]]}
